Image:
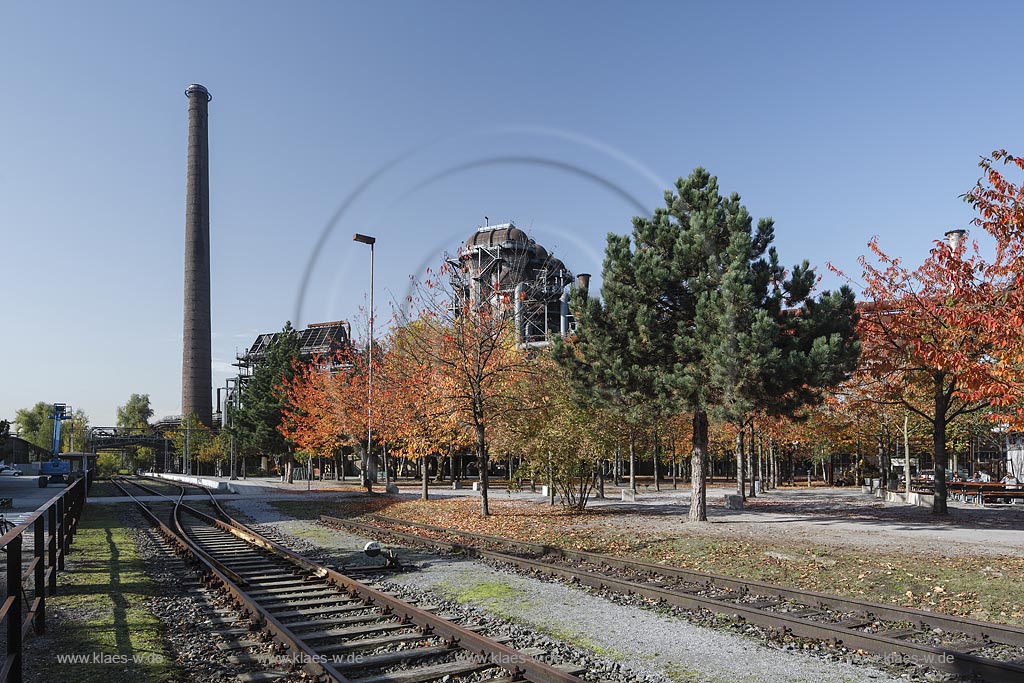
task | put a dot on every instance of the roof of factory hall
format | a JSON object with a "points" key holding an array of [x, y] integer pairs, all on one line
{"points": [[319, 339]]}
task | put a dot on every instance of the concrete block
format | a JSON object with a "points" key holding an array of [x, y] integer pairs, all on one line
{"points": [[476, 485], [545, 491], [733, 501], [198, 481], [629, 495], [456, 485]]}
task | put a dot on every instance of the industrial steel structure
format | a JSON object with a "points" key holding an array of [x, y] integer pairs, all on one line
{"points": [[500, 265], [319, 340]]}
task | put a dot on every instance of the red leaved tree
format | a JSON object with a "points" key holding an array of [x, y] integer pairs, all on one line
{"points": [[469, 343], [998, 311], [917, 349], [327, 404]]}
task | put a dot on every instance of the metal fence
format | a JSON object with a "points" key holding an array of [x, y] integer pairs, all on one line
{"points": [[50, 528]]}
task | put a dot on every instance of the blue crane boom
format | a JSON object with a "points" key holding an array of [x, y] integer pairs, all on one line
{"points": [[56, 469]]}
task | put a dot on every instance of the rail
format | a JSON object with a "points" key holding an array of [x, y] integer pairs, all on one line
{"points": [[52, 527], [750, 600], [517, 665]]}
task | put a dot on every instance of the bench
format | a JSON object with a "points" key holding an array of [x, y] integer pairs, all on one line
{"points": [[1002, 494]]}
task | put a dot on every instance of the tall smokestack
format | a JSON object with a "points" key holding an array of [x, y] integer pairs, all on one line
{"points": [[583, 281], [954, 238], [196, 376]]}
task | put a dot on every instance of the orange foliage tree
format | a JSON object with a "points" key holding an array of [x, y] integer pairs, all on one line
{"points": [[997, 297], [916, 351], [463, 331], [945, 339], [411, 402], [326, 406]]}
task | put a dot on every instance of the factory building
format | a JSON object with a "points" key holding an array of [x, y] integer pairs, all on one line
{"points": [[500, 265]]}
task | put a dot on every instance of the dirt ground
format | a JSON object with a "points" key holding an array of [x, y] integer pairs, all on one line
{"points": [[833, 517], [969, 562]]}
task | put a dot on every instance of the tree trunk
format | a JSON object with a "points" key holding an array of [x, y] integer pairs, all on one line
{"points": [[551, 480], [675, 463], [632, 461], [698, 498], [856, 466], [425, 489], [617, 465], [657, 451], [906, 454], [883, 466], [481, 449], [752, 463], [741, 488], [939, 436], [365, 467]]}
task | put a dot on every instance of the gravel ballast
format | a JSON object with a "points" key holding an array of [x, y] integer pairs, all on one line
{"points": [[613, 638]]}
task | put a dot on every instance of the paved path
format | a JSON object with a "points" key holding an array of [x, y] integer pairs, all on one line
{"points": [[838, 517]]}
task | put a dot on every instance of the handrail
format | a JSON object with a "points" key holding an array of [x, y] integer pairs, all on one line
{"points": [[27, 522], [50, 530]]}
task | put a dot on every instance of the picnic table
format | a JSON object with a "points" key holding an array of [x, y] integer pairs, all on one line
{"points": [[985, 492]]}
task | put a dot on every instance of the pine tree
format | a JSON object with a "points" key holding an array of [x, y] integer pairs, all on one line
{"points": [[256, 420], [696, 314]]}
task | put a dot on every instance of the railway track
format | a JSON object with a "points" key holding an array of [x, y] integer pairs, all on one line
{"points": [[332, 626], [973, 649]]}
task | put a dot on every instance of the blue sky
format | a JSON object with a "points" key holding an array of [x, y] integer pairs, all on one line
{"points": [[840, 120]]}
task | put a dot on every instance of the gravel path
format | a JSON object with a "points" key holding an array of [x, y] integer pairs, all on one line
{"points": [[840, 517], [652, 646], [833, 517]]}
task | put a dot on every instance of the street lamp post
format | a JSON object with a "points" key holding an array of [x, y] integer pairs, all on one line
{"points": [[366, 239], [227, 422]]}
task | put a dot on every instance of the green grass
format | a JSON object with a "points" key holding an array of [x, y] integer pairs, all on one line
{"points": [[102, 488], [508, 602], [496, 597], [679, 674], [101, 600], [982, 588], [581, 641]]}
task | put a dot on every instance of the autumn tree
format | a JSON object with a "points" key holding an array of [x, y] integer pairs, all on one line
{"points": [[190, 438], [996, 298], [325, 406], [917, 351], [470, 343], [943, 340], [411, 402], [557, 436]]}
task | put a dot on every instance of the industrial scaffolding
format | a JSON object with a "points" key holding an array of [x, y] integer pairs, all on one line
{"points": [[500, 265]]}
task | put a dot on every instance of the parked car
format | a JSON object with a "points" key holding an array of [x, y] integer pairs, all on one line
{"points": [[9, 471]]}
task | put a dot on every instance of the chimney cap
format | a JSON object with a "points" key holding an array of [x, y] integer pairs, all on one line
{"points": [[958, 232], [196, 89]]}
